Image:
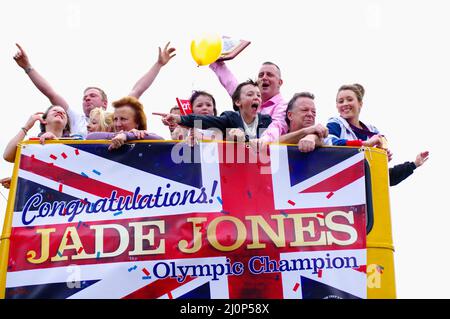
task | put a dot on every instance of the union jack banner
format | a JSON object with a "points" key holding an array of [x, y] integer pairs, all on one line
{"points": [[169, 221]]}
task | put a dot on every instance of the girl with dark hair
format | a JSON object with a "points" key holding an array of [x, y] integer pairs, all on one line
{"points": [[54, 124]]}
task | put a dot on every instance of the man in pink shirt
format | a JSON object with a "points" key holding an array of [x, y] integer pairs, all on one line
{"points": [[273, 104]]}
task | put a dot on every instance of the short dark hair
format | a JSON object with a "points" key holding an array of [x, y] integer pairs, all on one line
{"points": [[276, 66], [174, 108], [196, 94], [237, 92], [102, 93], [290, 105]]}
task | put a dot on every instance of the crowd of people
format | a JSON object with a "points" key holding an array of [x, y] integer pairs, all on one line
{"points": [[260, 115]]}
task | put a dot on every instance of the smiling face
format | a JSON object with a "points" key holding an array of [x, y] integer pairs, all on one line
{"points": [[56, 116], [249, 101], [124, 119], [269, 81], [203, 105], [348, 105]]}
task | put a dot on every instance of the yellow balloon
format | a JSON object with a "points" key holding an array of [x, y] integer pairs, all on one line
{"points": [[207, 49]]}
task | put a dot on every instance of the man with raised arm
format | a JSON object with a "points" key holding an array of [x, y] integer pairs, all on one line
{"points": [[92, 96], [273, 104]]}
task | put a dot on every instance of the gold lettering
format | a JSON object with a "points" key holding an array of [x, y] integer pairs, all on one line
{"points": [[340, 228], [45, 246], [212, 233], [278, 239], [196, 236], [299, 230], [150, 237]]}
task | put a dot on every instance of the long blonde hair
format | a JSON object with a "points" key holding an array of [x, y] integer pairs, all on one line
{"points": [[105, 119]]}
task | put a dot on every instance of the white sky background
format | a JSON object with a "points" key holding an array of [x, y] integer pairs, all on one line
{"points": [[398, 50]]}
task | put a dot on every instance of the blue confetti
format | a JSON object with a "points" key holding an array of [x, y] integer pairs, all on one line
{"points": [[79, 223], [59, 254], [224, 212], [132, 268], [284, 214], [220, 200], [98, 255], [118, 213], [83, 174], [96, 172], [147, 277]]}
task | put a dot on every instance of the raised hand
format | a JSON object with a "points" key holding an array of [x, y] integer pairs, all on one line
{"points": [[169, 119], [166, 54], [33, 118], [421, 158], [21, 58]]}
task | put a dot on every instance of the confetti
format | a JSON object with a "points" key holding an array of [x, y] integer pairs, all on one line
{"points": [[98, 255], [96, 172], [170, 295], [147, 277], [249, 194], [284, 214], [77, 152], [319, 273], [224, 212], [53, 157], [59, 254], [291, 202], [146, 272], [296, 286], [60, 188], [329, 195], [118, 213], [320, 215], [79, 223], [220, 200], [83, 174], [132, 268], [63, 155], [80, 250]]}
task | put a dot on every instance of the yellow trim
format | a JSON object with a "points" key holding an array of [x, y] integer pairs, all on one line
{"points": [[7, 225]]}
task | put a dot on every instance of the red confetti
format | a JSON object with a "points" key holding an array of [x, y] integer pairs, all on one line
{"points": [[53, 157], [319, 273], [32, 157], [77, 152], [60, 188], [170, 295], [146, 272], [64, 155], [329, 195], [80, 250], [320, 215], [362, 268], [296, 286], [291, 202]]}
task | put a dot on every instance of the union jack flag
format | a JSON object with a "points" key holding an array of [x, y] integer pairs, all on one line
{"points": [[132, 235]]}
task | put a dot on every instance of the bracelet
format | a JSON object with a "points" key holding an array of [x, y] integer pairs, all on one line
{"points": [[28, 70], [24, 130]]}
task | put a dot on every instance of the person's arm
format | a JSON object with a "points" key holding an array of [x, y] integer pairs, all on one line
{"points": [[399, 172], [296, 136], [10, 151], [309, 143], [226, 78], [221, 122], [38, 80], [145, 81], [278, 127]]}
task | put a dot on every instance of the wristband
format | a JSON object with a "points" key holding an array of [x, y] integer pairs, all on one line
{"points": [[24, 130], [28, 70]]}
